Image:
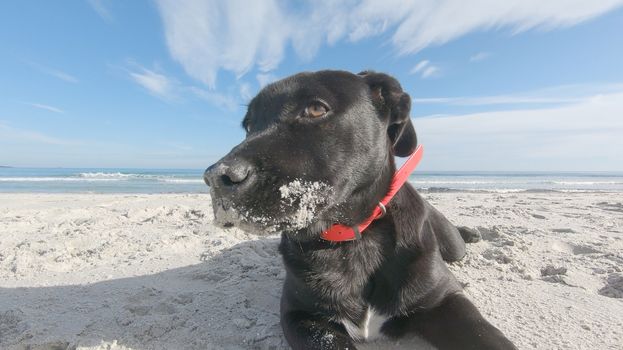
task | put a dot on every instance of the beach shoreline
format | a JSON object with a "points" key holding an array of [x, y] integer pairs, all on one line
{"points": [[151, 271], [189, 181]]}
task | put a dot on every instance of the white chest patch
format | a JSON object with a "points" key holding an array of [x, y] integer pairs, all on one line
{"points": [[369, 329]]}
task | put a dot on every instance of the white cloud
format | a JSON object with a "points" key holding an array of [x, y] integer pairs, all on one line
{"points": [[425, 69], [563, 94], [47, 107], [237, 36], [169, 89], [430, 71], [582, 136], [479, 56], [205, 36], [494, 100], [419, 66], [426, 23], [156, 83]]}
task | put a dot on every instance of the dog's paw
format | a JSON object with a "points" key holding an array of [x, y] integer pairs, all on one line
{"points": [[469, 235]]}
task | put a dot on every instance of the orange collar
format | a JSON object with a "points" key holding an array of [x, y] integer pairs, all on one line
{"points": [[341, 233]]}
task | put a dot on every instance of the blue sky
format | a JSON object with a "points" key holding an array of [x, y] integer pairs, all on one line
{"points": [[512, 85]]}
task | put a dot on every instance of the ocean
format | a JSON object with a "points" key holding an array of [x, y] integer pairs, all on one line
{"points": [[90, 180]]}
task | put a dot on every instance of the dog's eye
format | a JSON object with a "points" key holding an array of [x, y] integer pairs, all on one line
{"points": [[316, 110]]}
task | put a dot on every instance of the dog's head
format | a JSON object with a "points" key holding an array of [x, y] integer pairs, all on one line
{"points": [[319, 150]]}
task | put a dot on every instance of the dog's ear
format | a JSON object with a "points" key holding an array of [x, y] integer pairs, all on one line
{"points": [[392, 101]]}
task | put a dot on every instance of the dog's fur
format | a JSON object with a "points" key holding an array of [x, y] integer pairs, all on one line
{"points": [[393, 280]]}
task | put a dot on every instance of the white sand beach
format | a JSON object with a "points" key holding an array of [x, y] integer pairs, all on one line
{"points": [[99, 271]]}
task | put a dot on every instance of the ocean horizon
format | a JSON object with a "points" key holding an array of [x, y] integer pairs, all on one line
{"points": [[135, 180]]}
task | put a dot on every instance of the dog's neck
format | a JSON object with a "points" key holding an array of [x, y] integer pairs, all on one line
{"points": [[341, 232], [367, 196], [366, 204], [357, 208]]}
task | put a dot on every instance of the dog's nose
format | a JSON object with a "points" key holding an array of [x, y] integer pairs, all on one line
{"points": [[227, 174]]}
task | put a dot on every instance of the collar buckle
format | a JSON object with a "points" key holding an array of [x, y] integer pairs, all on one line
{"points": [[383, 211]]}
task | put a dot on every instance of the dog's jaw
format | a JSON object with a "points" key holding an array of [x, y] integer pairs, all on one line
{"points": [[306, 198], [300, 208], [227, 215]]}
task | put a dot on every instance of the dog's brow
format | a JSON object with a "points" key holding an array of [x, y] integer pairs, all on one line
{"points": [[288, 108]]}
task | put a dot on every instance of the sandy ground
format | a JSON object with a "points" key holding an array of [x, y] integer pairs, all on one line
{"points": [[153, 272]]}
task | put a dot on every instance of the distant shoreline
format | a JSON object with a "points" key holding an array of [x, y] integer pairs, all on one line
{"points": [[5, 166], [121, 180]]}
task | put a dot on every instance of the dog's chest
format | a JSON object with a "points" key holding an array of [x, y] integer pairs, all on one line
{"points": [[367, 329]]}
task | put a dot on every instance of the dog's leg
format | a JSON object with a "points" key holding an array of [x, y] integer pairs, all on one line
{"points": [[451, 244], [454, 324], [306, 331]]}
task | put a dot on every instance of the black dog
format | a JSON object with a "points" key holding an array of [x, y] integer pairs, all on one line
{"points": [[320, 150]]}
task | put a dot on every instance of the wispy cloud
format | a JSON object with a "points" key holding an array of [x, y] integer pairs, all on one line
{"points": [[481, 56], [62, 76], [245, 91], [101, 8], [419, 66], [46, 107], [9, 133], [155, 83], [223, 101], [261, 31], [161, 85], [495, 100], [585, 135], [430, 71], [563, 94], [265, 78], [195, 30], [425, 69], [59, 74]]}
